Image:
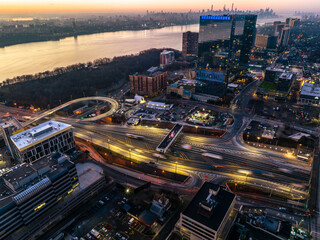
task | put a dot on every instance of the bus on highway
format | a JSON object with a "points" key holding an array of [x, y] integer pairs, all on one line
{"points": [[138, 137], [211, 155]]}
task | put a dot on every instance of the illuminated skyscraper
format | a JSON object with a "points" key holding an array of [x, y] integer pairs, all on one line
{"points": [[225, 43]]}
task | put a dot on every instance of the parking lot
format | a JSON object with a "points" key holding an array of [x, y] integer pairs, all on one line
{"points": [[184, 113], [107, 220], [207, 117]]}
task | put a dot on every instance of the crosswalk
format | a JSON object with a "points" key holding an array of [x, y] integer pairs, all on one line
{"points": [[183, 155], [149, 147], [206, 176]]}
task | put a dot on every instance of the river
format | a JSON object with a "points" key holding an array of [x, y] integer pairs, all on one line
{"points": [[37, 57]]}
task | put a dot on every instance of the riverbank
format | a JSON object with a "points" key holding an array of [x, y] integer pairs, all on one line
{"points": [[11, 40], [48, 89]]}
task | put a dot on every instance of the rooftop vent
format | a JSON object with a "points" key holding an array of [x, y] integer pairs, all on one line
{"points": [[207, 206]]}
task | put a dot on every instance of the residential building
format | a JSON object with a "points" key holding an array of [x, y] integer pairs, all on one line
{"points": [[42, 140], [225, 44], [210, 214], [261, 41], [190, 44], [166, 58], [310, 94], [284, 37], [265, 41], [292, 22], [149, 83]]}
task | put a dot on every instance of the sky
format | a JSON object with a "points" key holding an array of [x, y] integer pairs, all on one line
{"points": [[47, 6]]}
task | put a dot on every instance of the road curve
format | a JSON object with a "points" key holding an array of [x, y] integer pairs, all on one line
{"points": [[113, 102]]}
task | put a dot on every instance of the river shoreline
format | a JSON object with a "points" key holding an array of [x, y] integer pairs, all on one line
{"points": [[36, 57], [67, 35]]}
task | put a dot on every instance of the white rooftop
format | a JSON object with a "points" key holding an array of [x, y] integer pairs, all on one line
{"points": [[156, 103], [310, 89], [37, 134], [299, 135], [286, 76], [164, 52]]}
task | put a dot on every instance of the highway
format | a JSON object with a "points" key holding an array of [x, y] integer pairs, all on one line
{"points": [[186, 155], [113, 106]]}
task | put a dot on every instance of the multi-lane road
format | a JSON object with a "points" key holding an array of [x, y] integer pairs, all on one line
{"points": [[190, 152], [248, 163]]}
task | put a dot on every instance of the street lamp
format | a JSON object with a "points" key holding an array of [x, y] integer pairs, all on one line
{"points": [[258, 139], [175, 172], [246, 177]]}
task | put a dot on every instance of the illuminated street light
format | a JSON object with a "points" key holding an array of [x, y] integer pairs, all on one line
{"points": [[175, 172]]}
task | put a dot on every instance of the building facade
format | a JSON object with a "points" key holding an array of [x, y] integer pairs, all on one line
{"points": [[265, 41], [42, 140], [277, 84], [29, 190], [184, 88], [225, 44], [149, 83], [310, 94], [190, 44], [210, 214], [284, 37], [166, 58]]}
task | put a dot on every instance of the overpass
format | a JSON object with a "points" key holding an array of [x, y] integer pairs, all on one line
{"points": [[169, 139], [114, 106]]}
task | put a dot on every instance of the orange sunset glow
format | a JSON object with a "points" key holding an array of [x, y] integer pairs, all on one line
{"points": [[36, 6]]}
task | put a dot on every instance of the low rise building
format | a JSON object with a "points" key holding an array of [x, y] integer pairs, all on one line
{"points": [[42, 140], [183, 88], [277, 84], [166, 58], [9, 127], [160, 205], [159, 105], [149, 83], [310, 94], [210, 214]]}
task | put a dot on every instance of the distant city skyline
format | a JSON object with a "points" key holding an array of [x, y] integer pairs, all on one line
{"points": [[50, 6]]}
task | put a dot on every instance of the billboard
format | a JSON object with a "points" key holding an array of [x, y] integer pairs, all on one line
{"points": [[208, 75]]}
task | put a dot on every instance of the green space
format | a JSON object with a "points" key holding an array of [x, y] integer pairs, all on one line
{"points": [[268, 85]]}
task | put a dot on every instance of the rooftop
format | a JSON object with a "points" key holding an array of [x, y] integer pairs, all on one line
{"points": [[151, 72], [210, 205], [310, 89], [164, 52], [268, 85], [24, 177], [32, 136], [286, 75]]}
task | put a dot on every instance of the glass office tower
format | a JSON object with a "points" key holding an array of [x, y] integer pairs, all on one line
{"points": [[225, 43]]}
